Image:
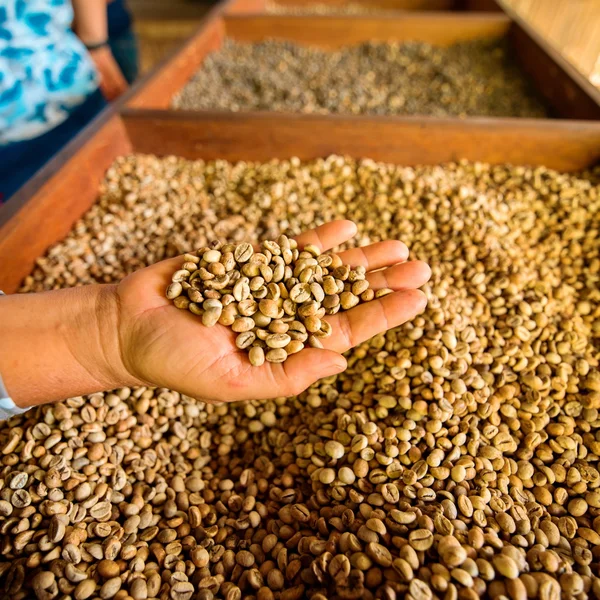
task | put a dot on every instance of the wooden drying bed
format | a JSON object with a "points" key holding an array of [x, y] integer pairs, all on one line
{"points": [[47, 209], [568, 93]]}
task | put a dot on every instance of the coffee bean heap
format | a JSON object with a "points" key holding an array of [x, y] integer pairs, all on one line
{"points": [[456, 458], [275, 299], [479, 78]]}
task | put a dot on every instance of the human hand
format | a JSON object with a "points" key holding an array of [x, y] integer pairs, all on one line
{"points": [[163, 346], [112, 81]]}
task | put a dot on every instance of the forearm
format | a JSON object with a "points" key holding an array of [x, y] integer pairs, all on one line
{"points": [[60, 344], [91, 24]]}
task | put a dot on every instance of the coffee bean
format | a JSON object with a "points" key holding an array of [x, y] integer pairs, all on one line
{"points": [[110, 588], [256, 356], [276, 355], [380, 554], [85, 589], [244, 340], [243, 324], [420, 539], [334, 449], [243, 252], [174, 290], [278, 340]]}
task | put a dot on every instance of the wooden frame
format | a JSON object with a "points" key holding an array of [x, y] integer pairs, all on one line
{"points": [[241, 7], [45, 212], [568, 93]]}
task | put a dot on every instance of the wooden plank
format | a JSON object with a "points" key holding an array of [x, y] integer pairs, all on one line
{"points": [[573, 28], [480, 5], [568, 91], [239, 7], [333, 32], [161, 9], [46, 209], [243, 7], [563, 145], [385, 5]]}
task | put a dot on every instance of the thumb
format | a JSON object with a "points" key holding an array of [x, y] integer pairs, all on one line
{"points": [[311, 364]]}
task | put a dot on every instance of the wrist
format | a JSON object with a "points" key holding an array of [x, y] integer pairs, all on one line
{"points": [[60, 344], [95, 343]]}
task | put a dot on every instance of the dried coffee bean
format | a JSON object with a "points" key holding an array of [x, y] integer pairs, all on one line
{"points": [[276, 355], [244, 340]]}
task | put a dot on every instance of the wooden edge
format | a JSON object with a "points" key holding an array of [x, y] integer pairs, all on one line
{"points": [[559, 82], [442, 28], [244, 7], [240, 7], [384, 5], [562, 145], [480, 5], [48, 208], [175, 69]]}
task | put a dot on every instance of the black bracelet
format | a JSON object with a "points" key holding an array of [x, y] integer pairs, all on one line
{"points": [[97, 46]]}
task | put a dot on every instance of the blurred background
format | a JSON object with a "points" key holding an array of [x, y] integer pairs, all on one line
{"points": [[572, 26]]}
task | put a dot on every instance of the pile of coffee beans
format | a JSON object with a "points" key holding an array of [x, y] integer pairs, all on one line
{"points": [[275, 299], [456, 458], [477, 78]]}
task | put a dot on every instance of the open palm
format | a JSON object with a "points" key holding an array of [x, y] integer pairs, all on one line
{"points": [[164, 346]]}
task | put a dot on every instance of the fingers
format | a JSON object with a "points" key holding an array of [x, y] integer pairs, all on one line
{"points": [[152, 281], [328, 236], [290, 378], [376, 256], [408, 275], [366, 320], [301, 370], [165, 268]]}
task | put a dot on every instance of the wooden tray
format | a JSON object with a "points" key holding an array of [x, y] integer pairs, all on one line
{"points": [[569, 94], [47, 208], [239, 7]]}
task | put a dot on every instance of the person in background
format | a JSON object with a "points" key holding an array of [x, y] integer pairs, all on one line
{"points": [[122, 40], [52, 84]]}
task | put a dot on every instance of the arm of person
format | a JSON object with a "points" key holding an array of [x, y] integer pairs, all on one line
{"points": [[59, 344], [91, 27], [73, 342]]}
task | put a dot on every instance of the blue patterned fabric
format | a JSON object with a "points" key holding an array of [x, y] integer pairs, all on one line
{"points": [[45, 71]]}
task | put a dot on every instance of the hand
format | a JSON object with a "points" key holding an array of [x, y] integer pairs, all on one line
{"points": [[112, 81], [163, 346]]}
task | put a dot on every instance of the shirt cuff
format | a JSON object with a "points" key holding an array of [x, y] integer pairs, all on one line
{"points": [[8, 408]]}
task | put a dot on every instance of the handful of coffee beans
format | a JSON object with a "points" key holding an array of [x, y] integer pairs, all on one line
{"points": [[274, 299]]}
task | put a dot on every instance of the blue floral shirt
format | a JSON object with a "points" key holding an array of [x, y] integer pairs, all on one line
{"points": [[45, 71]]}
